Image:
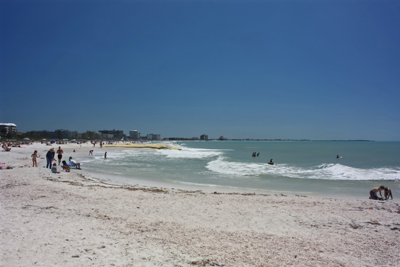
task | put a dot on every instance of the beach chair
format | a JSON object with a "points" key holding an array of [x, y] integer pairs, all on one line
{"points": [[73, 165]]}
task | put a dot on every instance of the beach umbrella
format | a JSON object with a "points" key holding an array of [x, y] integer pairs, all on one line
{"points": [[44, 139], [26, 139], [73, 140], [65, 139], [54, 140]]}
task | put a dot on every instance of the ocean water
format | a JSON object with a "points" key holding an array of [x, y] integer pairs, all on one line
{"points": [[308, 167]]}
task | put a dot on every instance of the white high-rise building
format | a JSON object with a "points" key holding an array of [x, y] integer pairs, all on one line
{"points": [[134, 135], [8, 127]]}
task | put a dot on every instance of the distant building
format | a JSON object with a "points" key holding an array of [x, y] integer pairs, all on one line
{"points": [[109, 134], [134, 135], [9, 127], [222, 138], [154, 137], [203, 137]]}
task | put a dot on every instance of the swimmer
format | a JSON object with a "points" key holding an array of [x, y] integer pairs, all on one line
{"points": [[271, 162]]}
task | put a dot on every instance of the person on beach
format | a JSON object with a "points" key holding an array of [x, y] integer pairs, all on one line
{"points": [[54, 169], [105, 155], [65, 166], [373, 193], [59, 152], [73, 163], [6, 148], [50, 157], [388, 193], [34, 157], [90, 152]]}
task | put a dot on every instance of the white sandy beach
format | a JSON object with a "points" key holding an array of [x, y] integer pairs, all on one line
{"points": [[75, 219]]}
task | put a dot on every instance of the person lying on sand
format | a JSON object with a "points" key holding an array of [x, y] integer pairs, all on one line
{"points": [[373, 193], [388, 193]]}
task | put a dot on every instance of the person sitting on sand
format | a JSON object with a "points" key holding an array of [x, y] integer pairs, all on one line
{"points": [[73, 163], [388, 193], [65, 166], [54, 169], [373, 193]]}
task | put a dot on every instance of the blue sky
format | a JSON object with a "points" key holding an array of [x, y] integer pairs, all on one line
{"points": [[241, 69]]}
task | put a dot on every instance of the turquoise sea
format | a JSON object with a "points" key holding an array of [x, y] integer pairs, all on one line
{"points": [[305, 167]]}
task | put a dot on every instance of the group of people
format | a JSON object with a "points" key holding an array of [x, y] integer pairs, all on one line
{"points": [[50, 158], [255, 154], [373, 194], [91, 153], [95, 142]]}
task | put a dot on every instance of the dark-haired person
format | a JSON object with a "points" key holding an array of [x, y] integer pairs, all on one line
{"points": [[59, 152], [373, 193], [65, 166], [388, 193]]}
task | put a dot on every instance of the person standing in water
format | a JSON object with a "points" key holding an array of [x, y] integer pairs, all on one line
{"points": [[105, 155], [271, 162]]}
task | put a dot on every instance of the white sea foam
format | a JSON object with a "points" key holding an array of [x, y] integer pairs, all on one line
{"points": [[190, 153], [323, 171]]}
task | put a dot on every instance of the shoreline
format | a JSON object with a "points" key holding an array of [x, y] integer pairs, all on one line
{"points": [[76, 219]]}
